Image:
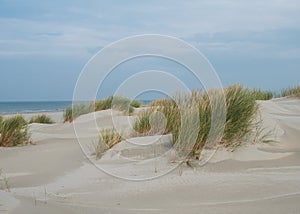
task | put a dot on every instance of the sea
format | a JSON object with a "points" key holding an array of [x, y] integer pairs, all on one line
{"points": [[37, 106], [33, 107]]}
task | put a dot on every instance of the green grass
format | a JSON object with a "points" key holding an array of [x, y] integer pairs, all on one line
{"points": [[122, 104], [13, 131], [136, 104], [119, 103], [262, 95], [76, 110], [103, 104], [241, 112], [167, 107], [41, 118], [291, 92], [142, 125], [108, 138]]}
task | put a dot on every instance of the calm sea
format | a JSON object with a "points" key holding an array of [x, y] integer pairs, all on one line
{"points": [[33, 107], [37, 107]]}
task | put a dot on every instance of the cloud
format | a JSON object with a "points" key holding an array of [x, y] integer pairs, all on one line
{"points": [[276, 44], [65, 34], [78, 28]]}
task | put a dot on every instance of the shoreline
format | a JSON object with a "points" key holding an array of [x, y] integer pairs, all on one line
{"points": [[56, 116]]}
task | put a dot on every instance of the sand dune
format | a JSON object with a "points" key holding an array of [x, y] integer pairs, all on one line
{"points": [[56, 175]]}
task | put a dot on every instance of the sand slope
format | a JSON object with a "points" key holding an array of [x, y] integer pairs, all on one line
{"points": [[54, 176]]}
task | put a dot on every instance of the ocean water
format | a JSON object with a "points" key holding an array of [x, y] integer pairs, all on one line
{"points": [[33, 107], [38, 107]]}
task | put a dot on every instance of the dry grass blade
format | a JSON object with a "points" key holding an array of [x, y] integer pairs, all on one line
{"points": [[108, 138]]}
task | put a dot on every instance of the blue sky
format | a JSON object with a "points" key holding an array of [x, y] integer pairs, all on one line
{"points": [[45, 44]]}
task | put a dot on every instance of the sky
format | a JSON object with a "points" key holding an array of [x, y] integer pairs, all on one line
{"points": [[44, 45]]}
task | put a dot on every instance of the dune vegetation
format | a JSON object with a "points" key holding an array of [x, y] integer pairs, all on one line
{"points": [[13, 131], [164, 116], [76, 110], [108, 138], [240, 118], [41, 118], [119, 103], [291, 92], [262, 95]]}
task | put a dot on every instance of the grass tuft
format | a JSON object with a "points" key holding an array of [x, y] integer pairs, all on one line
{"points": [[262, 95], [122, 104], [103, 104], [291, 92], [41, 118], [136, 104], [241, 112], [119, 103], [13, 131], [108, 138], [182, 111], [76, 110]]}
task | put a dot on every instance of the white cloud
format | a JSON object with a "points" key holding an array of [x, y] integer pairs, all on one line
{"points": [[77, 29]]}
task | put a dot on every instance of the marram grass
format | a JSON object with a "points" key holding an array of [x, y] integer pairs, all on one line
{"points": [[13, 131], [41, 118], [135, 103], [261, 94], [119, 103], [291, 92], [108, 138], [76, 110], [241, 110]]}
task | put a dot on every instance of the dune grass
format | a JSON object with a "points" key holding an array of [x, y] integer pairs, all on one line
{"points": [[291, 92], [262, 95], [13, 131], [108, 138], [76, 110], [41, 118], [103, 104], [122, 104], [142, 125], [241, 112], [119, 103], [136, 103]]}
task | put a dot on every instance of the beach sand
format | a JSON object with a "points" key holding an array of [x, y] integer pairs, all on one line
{"points": [[55, 176]]}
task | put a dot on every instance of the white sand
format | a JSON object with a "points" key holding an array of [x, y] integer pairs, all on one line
{"points": [[54, 176]]}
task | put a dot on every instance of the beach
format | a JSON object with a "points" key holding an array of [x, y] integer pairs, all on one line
{"points": [[55, 175]]}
